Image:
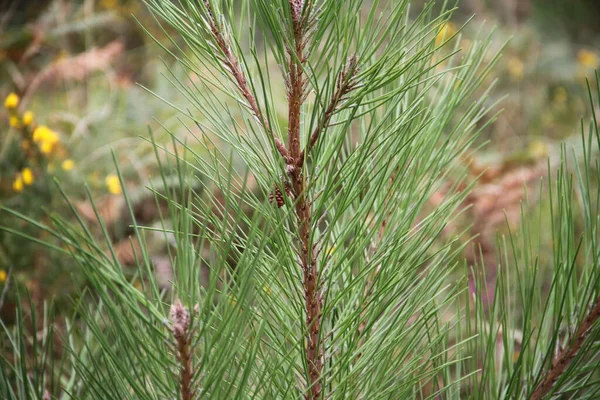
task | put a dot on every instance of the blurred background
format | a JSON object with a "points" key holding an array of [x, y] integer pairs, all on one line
{"points": [[81, 77]]}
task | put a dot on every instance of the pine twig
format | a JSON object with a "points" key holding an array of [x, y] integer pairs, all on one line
{"points": [[180, 318], [345, 84], [567, 354], [234, 67]]}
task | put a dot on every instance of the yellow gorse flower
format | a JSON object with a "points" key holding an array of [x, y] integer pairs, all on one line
{"points": [[516, 68], [231, 299], [27, 118], [113, 184], [109, 4], [588, 59], [11, 101], [18, 184], [3, 276], [538, 149], [267, 289], [67, 164], [46, 138], [446, 31], [14, 121], [560, 96], [27, 176]]}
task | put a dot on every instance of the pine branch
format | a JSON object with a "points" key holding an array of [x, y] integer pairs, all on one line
{"points": [[180, 317], [236, 71], [346, 83], [567, 353], [296, 90]]}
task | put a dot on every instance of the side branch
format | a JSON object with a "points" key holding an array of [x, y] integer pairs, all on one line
{"points": [[346, 83], [236, 71], [567, 354]]}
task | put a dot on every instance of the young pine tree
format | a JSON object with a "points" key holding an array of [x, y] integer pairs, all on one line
{"points": [[307, 265]]}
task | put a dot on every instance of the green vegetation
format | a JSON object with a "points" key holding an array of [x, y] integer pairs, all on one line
{"points": [[310, 226]]}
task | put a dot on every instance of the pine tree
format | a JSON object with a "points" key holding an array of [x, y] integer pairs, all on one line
{"points": [[331, 279]]}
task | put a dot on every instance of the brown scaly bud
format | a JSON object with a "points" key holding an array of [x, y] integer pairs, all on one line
{"points": [[180, 317], [276, 196], [296, 7], [290, 169], [352, 64], [346, 80]]}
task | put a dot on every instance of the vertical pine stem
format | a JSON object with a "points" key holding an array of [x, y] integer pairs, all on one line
{"points": [[294, 157], [180, 318], [296, 94]]}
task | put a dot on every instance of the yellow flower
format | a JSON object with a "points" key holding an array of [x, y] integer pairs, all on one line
{"points": [[138, 285], [14, 121], [267, 289], [44, 134], [559, 99], [113, 184], [27, 118], [68, 164], [560, 96], [2, 276], [46, 138], [446, 31], [588, 59], [538, 149], [46, 147], [11, 101], [18, 184], [515, 68], [109, 4], [27, 176]]}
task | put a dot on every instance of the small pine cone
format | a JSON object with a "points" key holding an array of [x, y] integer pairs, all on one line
{"points": [[288, 189], [276, 196]]}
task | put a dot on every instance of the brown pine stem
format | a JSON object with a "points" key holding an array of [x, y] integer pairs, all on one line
{"points": [[180, 318], [313, 295], [236, 71], [296, 90], [567, 354]]}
